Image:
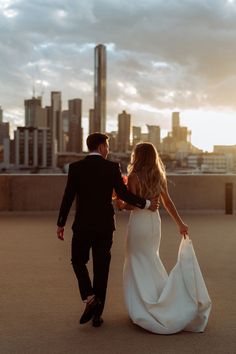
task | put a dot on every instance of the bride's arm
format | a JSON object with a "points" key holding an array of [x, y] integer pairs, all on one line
{"points": [[171, 209]]}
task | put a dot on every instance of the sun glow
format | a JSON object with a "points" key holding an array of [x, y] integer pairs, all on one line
{"points": [[210, 128]]}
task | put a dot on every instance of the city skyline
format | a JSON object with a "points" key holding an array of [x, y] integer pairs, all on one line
{"points": [[161, 57]]}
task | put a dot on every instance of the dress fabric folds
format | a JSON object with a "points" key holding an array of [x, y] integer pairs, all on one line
{"points": [[156, 301]]}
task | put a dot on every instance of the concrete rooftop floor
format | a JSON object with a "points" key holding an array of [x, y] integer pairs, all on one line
{"points": [[40, 304]]}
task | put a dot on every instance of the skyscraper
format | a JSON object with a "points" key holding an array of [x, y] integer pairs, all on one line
{"points": [[35, 115], [75, 143], [1, 115], [154, 135], [175, 120], [124, 126], [31, 107], [179, 133], [56, 119], [4, 132], [100, 89], [4, 129], [55, 124], [32, 147], [91, 121], [136, 135], [65, 125]]}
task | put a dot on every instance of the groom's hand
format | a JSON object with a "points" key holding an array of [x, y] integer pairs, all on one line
{"points": [[60, 233], [155, 203]]}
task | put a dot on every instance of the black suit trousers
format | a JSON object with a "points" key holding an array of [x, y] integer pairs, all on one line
{"points": [[100, 243]]}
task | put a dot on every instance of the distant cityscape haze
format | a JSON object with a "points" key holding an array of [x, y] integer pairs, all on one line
{"points": [[208, 127]]}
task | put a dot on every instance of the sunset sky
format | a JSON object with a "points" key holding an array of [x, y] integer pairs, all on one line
{"points": [[162, 56]]}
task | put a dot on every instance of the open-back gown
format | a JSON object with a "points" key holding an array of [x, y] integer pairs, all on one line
{"points": [[156, 301]]}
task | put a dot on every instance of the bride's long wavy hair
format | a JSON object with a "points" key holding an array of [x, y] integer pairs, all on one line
{"points": [[148, 166]]}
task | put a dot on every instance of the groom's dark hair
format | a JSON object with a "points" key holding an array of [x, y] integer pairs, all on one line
{"points": [[95, 139]]}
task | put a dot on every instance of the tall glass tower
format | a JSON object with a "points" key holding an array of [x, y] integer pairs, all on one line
{"points": [[56, 124], [1, 114], [100, 89]]}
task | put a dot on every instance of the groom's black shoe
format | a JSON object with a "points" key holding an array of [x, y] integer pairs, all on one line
{"points": [[89, 311], [97, 321]]}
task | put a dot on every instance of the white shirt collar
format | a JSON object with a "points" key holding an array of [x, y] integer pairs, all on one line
{"points": [[94, 153]]}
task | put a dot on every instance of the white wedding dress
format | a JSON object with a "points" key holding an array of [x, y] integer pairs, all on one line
{"points": [[156, 301]]}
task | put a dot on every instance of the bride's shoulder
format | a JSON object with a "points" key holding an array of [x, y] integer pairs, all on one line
{"points": [[133, 178]]}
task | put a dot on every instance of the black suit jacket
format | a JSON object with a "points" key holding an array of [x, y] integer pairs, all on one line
{"points": [[92, 181]]}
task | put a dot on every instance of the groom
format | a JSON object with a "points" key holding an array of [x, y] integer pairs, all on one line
{"points": [[91, 181]]}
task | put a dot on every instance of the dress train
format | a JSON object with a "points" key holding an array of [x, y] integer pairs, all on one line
{"points": [[156, 301]]}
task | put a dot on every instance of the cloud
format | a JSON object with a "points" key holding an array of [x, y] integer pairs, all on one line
{"points": [[162, 55]]}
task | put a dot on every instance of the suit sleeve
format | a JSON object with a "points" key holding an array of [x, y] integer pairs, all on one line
{"points": [[123, 193], [68, 198]]}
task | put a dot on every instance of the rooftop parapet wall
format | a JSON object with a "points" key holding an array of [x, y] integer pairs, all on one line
{"points": [[201, 192], [44, 192], [31, 192]]}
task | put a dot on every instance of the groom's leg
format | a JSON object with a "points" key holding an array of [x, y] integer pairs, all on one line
{"points": [[80, 248], [101, 248]]}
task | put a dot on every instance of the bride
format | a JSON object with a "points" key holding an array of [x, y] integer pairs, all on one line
{"points": [[156, 301]]}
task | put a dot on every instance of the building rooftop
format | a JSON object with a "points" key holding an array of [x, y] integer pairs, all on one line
{"points": [[40, 303]]}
